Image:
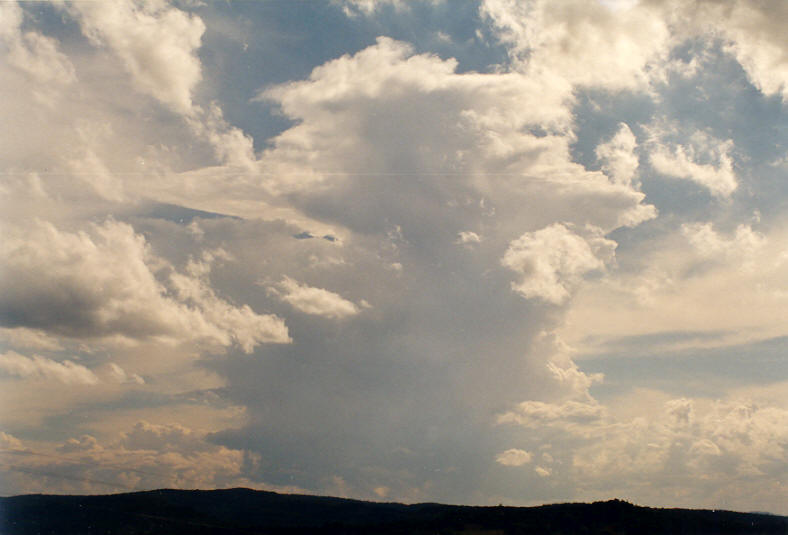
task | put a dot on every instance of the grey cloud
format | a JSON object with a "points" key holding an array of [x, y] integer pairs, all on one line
{"points": [[416, 380]]}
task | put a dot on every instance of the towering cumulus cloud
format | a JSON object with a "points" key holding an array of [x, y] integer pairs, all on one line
{"points": [[505, 251]]}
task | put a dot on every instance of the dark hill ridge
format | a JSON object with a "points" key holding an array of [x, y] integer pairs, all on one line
{"points": [[244, 511]]}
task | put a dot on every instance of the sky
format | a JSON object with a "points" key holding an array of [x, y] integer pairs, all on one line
{"points": [[472, 252]]}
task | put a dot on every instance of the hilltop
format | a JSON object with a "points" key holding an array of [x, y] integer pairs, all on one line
{"points": [[245, 511]]}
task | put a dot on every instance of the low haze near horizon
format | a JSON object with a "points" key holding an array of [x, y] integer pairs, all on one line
{"points": [[469, 252]]}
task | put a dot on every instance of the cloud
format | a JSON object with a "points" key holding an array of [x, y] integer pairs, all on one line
{"points": [[399, 153], [514, 457], [681, 162], [755, 37], [553, 261], [627, 45], [355, 8], [568, 375], [89, 168], [146, 456], [725, 437], [315, 301], [495, 145], [121, 376], [102, 283], [680, 411], [584, 43], [675, 288], [85, 443], [29, 338], [441, 183], [37, 367], [467, 237], [743, 245], [360, 94], [156, 42], [701, 448], [536, 414], [162, 438], [9, 442], [618, 156], [231, 145], [542, 471], [35, 54], [631, 45], [219, 319]]}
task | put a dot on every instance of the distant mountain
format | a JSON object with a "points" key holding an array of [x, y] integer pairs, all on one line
{"points": [[244, 511]]}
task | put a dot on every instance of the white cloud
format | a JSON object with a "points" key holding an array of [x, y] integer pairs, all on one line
{"points": [[681, 162], [755, 435], [354, 8], [582, 42], [675, 287], [514, 457], [315, 301], [700, 453], [618, 156], [102, 283], [359, 95], [162, 438], [570, 377], [147, 456], [221, 320], [686, 449], [680, 411], [536, 414], [90, 169], [756, 35], [156, 42], [29, 338], [542, 471], [554, 259], [37, 367], [120, 375], [742, 246], [231, 146], [11, 20], [35, 54], [625, 45], [85, 443], [468, 237], [501, 140], [10, 442]]}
